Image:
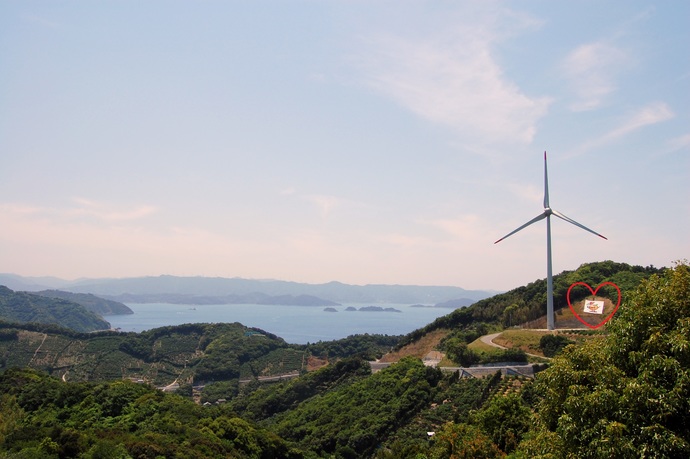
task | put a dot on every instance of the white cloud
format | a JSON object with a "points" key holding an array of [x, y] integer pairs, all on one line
{"points": [[105, 212], [648, 115], [453, 79], [679, 143], [98, 211], [44, 22], [530, 193], [323, 202], [651, 114], [592, 70]]}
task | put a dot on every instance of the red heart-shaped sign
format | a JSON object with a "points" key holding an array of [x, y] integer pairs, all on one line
{"points": [[594, 292]]}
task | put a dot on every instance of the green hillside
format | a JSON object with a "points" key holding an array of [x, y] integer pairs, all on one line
{"points": [[100, 306], [186, 353], [215, 356], [526, 304], [25, 307], [625, 393]]}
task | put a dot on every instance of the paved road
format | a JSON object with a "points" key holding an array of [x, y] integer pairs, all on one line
{"points": [[489, 339]]}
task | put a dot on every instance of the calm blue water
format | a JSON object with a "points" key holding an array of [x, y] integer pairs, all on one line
{"points": [[295, 324]]}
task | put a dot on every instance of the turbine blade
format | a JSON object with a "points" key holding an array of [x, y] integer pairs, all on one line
{"points": [[570, 220], [534, 220], [546, 185]]}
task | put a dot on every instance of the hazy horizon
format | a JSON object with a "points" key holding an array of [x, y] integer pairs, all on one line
{"points": [[364, 143], [263, 279]]}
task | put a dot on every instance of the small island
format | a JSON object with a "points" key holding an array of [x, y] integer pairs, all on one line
{"points": [[330, 310], [372, 309], [378, 309]]}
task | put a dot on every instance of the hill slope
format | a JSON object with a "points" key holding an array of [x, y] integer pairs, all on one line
{"points": [[625, 392], [25, 307], [100, 306]]}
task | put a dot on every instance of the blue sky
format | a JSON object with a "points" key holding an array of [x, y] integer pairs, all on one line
{"points": [[364, 142]]}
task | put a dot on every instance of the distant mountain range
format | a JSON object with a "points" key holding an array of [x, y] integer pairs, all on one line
{"points": [[237, 290]]}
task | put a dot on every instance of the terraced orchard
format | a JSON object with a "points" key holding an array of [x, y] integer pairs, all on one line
{"points": [[186, 354]]}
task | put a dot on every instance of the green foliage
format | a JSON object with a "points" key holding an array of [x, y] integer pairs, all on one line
{"points": [[279, 361], [463, 441], [8, 335], [551, 345], [455, 344], [504, 419], [367, 346], [626, 395], [22, 307], [185, 353], [225, 354], [219, 390], [357, 416], [45, 417], [277, 398], [622, 395], [505, 355], [458, 352], [91, 302], [528, 302]]}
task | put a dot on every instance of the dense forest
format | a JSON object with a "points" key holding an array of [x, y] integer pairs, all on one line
{"points": [[25, 307], [91, 302], [622, 393]]}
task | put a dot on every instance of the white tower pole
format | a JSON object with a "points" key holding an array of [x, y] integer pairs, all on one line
{"points": [[550, 319]]}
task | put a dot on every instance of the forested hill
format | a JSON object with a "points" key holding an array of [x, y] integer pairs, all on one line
{"points": [[527, 303], [100, 306], [25, 307], [617, 394], [217, 356]]}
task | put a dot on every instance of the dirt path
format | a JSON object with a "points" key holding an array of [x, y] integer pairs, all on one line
{"points": [[45, 335]]}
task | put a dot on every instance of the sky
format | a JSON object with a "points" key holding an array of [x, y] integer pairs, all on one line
{"points": [[366, 142]]}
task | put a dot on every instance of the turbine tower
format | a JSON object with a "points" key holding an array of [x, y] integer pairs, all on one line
{"points": [[548, 211]]}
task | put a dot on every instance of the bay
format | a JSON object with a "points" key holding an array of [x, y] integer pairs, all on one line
{"points": [[295, 324]]}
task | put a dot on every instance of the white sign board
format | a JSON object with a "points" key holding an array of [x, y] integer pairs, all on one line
{"points": [[594, 307]]}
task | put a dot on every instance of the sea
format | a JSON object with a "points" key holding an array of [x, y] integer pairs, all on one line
{"points": [[295, 324]]}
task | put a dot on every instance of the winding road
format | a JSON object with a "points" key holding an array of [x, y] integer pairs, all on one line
{"points": [[489, 339]]}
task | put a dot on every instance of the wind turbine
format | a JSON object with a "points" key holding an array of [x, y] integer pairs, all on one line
{"points": [[548, 211]]}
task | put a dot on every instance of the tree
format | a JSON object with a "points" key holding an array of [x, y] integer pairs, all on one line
{"points": [[10, 415], [505, 419], [628, 394], [458, 352], [551, 345], [463, 441]]}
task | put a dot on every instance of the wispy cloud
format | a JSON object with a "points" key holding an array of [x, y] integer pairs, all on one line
{"points": [[470, 231], [592, 70], [44, 22], [84, 207], [324, 202], [651, 114], [648, 115], [453, 78], [679, 143], [105, 212]]}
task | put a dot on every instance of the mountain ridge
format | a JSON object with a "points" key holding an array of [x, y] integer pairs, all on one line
{"points": [[333, 291]]}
